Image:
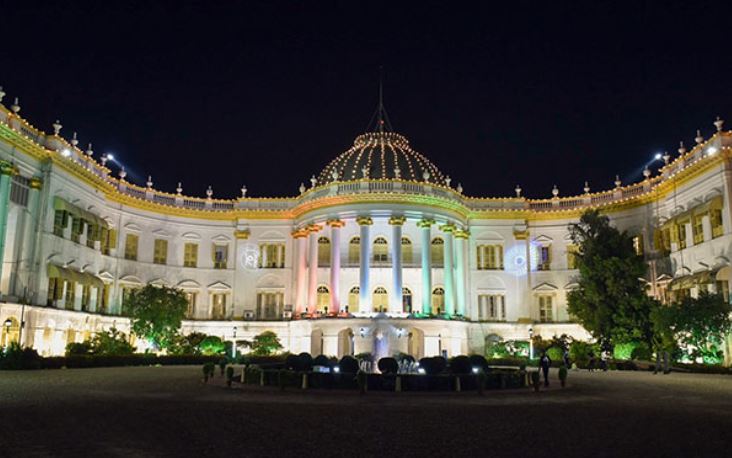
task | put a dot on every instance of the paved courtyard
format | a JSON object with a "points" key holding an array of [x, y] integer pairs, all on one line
{"points": [[167, 411]]}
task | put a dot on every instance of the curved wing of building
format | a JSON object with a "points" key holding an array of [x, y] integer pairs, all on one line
{"points": [[380, 253]]}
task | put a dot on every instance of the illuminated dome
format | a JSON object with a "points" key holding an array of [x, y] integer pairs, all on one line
{"points": [[381, 156]]}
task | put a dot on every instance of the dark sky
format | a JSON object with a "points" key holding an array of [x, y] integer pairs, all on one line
{"points": [[266, 93]]}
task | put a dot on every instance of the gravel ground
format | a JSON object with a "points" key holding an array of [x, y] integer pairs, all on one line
{"points": [[167, 411]]}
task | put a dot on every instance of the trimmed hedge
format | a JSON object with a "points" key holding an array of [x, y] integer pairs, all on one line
{"points": [[138, 359]]}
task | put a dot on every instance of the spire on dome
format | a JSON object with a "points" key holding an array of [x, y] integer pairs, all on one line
{"points": [[380, 116]]}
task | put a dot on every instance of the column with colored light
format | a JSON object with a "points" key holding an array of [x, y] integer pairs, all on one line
{"points": [[395, 304], [313, 268], [335, 264], [448, 274], [425, 226], [301, 267], [461, 244], [7, 170], [364, 279]]}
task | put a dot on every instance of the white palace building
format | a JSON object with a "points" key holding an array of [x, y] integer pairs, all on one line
{"points": [[380, 252]]}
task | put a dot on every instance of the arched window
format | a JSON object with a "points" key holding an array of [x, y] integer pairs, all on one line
{"points": [[354, 248], [9, 334], [323, 251], [406, 251], [437, 249], [406, 300], [381, 250], [353, 299], [323, 298], [380, 300], [438, 301]]}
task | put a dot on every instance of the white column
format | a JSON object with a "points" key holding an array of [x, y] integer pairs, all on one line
{"points": [[280, 255], [313, 269], [335, 265], [449, 275], [364, 283], [461, 237], [300, 237], [395, 304], [425, 225]]}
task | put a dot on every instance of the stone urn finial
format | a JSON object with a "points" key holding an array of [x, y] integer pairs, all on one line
{"points": [[74, 140], [57, 126], [448, 180], [302, 188], [122, 173], [149, 182], [89, 150], [587, 188], [459, 188], [2, 93], [179, 189], [15, 106], [209, 192], [719, 123], [667, 157], [617, 181], [243, 191], [313, 181], [397, 172], [699, 139], [365, 172], [426, 176], [646, 172], [555, 191], [334, 175], [517, 189]]}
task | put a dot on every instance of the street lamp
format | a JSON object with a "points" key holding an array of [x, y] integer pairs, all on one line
{"points": [[233, 345], [531, 342]]}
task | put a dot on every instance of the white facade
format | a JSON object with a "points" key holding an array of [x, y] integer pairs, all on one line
{"points": [[444, 270]]}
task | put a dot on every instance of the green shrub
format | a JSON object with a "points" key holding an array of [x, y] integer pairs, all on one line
{"points": [[208, 371], [305, 361], [222, 365], [642, 352], [348, 365], [556, 354], [212, 345], [579, 352], [79, 348], [460, 365], [507, 349], [388, 365], [624, 350], [17, 358], [433, 365], [321, 360]]}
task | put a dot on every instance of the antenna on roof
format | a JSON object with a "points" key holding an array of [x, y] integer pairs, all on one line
{"points": [[382, 118]]}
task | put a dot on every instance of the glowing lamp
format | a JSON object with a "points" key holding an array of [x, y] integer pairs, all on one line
{"points": [[110, 156], [66, 152], [476, 370], [658, 156], [711, 150]]}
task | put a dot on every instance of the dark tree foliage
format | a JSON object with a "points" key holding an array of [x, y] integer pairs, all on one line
{"points": [[611, 301], [697, 325], [265, 344], [156, 313]]}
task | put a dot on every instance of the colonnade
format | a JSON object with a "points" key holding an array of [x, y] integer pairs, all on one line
{"points": [[454, 266]]}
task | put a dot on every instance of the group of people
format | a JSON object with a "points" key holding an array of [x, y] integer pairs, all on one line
{"points": [[545, 363]]}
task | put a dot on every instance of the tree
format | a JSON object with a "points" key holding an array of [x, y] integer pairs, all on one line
{"points": [[156, 313], [266, 343], [610, 302], [697, 325]]}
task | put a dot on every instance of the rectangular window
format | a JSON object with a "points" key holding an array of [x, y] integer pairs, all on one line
{"points": [[697, 228], [109, 240], [572, 251], [160, 254], [544, 258], [131, 246], [92, 234], [490, 257], [103, 299], [85, 297], [190, 255], [55, 290], [220, 255], [191, 298], [715, 219], [70, 295], [681, 234], [546, 309], [269, 305], [77, 226], [218, 308], [492, 307], [60, 220], [662, 240]]}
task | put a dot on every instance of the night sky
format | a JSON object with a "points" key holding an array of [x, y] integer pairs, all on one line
{"points": [[266, 94]]}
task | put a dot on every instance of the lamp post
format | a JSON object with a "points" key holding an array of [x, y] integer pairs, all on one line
{"points": [[531, 342], [233, 344]]}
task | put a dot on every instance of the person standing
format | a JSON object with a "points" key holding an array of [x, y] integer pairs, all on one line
{"points": [[545, 363], [566, 358]]}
